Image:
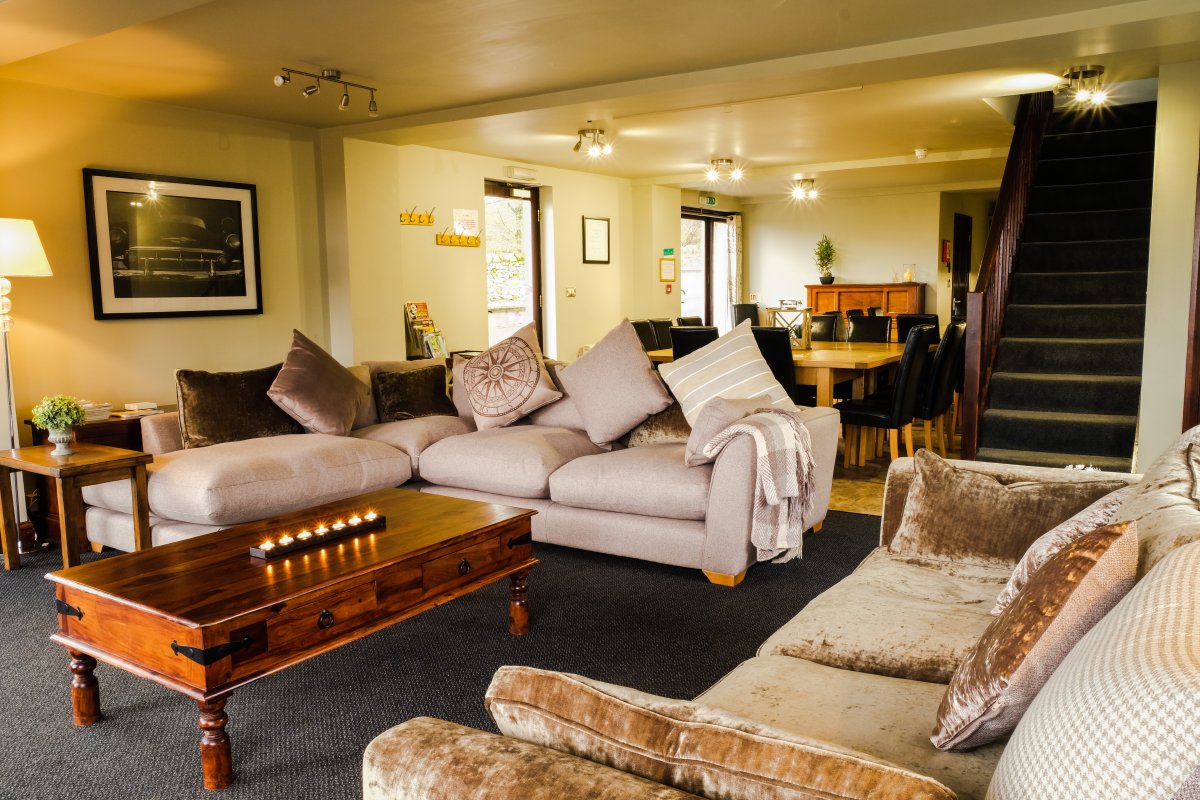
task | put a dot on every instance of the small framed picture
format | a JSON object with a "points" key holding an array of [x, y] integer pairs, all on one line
{"points": [[171, 247], [666, 270], [595, 240]]}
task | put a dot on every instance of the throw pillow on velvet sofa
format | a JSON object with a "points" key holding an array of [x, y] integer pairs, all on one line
{"points": [[508, 381], [412, 393], [315, 390], [216, 407]]}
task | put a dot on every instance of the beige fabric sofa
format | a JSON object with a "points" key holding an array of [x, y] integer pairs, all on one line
{"points": [[641, 502], [862, 668]]}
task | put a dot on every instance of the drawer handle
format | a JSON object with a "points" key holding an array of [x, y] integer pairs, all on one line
{"points": [[464, 567], [325, 620]]}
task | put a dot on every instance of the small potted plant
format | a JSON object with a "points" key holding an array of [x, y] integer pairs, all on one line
{"points": [[56, 415], [824, 255]]}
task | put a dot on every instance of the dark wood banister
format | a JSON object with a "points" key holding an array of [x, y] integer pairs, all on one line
{"points": [[987, 303]]}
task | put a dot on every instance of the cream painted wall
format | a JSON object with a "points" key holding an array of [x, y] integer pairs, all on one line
{"points": [[655, 228], [49, 136], [390, 264], [875, 235], [1172, 228], [975, 206]]}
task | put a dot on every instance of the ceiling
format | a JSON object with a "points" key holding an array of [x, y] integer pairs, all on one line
{"points": [[841, 90]]}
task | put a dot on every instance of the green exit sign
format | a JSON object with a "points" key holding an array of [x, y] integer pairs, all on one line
{"points": [[668, 251]]}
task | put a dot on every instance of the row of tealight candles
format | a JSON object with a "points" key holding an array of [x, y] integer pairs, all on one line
{"points": [[319, 533]]}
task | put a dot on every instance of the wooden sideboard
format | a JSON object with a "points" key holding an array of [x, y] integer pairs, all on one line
{"points": [[893, 298]]}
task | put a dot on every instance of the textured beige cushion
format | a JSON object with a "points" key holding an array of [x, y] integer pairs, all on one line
{"points": [[666, 427], [614, 385], [562, 413], [1062, 601], [1101, 512], [516, 461], [414, 435], [715, 416], [885, 718], [249, 480], [315, 390], [650, 480], [115, 529], [1120, 717], [216, 407], [732, 366], [688, 745], [508, 380], [1165, 504], [961, 515], [429, 759]]}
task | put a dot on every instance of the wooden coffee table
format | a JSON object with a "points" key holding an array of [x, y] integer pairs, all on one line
{"points": [[203, 617]]}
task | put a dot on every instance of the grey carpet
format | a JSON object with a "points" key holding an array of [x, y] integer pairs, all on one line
{"points": [[301, 733]]}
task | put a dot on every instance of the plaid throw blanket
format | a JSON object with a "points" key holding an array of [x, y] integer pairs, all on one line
{"points": [[785, 485]]}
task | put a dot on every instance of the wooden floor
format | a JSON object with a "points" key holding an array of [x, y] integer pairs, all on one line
{"points": [[860, 489]]}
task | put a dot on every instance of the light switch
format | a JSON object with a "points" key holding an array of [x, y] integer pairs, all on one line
{"points": [[754, 297], [570, 291]]}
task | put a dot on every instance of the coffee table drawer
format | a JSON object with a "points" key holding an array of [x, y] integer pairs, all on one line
{"points": [[465, 564], [322, 616]]}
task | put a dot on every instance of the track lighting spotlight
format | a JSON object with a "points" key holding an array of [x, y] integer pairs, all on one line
{"points": [[373, 107], [309, 91], [1084, 84], [596, 146], [345, 102], [578, 144], [723, 169], [283, 78], [332, 76], [805, 189]]}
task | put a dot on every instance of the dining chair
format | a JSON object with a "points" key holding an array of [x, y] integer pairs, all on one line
{"points": [[690, 338], [775, 344], [662, 332], [743, 312], [689, 321], [869, 329], [937, 390], [855, 312], [890, 410], [905, 322], [874, 311], [645, 332], [825, 327]]}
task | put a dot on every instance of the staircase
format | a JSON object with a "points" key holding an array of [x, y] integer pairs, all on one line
{"points": [[1068, 369]]}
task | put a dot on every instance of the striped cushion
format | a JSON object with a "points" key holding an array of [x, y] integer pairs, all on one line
{"points": [[731, 367]]}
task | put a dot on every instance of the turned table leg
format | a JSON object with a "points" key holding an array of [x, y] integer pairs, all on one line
{"points": [[518, 604], [85, 691], [215, 754]]}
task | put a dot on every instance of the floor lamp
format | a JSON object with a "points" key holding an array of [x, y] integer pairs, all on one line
{"points": [[21, 254]]}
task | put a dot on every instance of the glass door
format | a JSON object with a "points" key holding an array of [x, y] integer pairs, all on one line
{"points": [[512, 246], [706, 272]]}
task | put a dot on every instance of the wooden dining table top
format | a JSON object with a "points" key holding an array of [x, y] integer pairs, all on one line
{"points": [[830, 355]]}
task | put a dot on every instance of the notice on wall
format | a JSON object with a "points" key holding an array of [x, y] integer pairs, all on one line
{"points": [[466, 221]]}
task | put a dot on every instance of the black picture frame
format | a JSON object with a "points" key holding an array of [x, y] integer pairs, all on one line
{"points": [[165, 246], [596, 241]]}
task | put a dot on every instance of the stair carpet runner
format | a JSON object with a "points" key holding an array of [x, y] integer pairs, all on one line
{"points": [[1068, 372]]}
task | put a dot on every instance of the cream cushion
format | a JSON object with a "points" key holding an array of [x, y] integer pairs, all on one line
{"points": [[894, 616], [235, 482], [508, 380], [414, 435], [1165, 503], [115, 529], [651, 480]]}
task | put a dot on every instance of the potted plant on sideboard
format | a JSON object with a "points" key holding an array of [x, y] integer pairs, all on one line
{"points": [[56, 415], [824, 254]]}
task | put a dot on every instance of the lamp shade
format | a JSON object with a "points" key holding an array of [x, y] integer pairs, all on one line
{"points": [[21, 250]]}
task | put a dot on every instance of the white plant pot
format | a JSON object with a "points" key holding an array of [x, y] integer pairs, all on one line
{"points": [[61, 437]]}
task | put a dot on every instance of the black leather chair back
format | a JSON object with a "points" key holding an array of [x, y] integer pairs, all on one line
{"points": [[686, 321], [825, 327], [869, 329], [745, 311], [776, 347], [662, 332], [874, 311], [910, 373], [645, 332], [855, 312], [938, 392], [690, 338], [905, 323]]}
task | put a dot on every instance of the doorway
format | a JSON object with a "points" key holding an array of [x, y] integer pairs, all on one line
{"points": [[704, 269], [960, 266], [512, 250]]}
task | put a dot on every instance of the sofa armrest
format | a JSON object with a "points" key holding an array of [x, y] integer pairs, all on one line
{"points": [[161, 434], [429, 759], [727, 548], [902, 471]]}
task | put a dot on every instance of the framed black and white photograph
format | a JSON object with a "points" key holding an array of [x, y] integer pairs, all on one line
{"points": [[595, 240], [171, 247]]}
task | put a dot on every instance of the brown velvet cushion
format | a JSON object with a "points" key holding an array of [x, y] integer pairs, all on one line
{"points": [[367, 414], [217, 407], [665, 427], [1022, 647], [945, 506], [693, 747], [715, 416], [413, 393], [508, 380], [315, 390]]}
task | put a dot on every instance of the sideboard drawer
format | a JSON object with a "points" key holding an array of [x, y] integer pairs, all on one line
{"points": [[465, 564]]}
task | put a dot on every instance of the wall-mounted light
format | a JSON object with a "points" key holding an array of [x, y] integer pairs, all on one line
{"points": [[593, 139], [805, 189], [720, 169], [284, 78], [1084, 85]]}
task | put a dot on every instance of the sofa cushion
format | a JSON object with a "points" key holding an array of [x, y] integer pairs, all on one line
{"points": [[666, 427], [614, 385], [315, 390], [716, 415], [458, 388], [1166, 505], [732, 366], [650, 480], [508, 380], [367, 415], [516, 461], [412, 393], [115, 529], [894, 616], [885, 718], [562, 413], [1118, 718], [216, 407], [946, 508], [1062, 601], [687, 745], [414, 435], [253, 479]]}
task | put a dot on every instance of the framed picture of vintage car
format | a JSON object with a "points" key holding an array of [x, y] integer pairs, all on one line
{"points": [[171, 247]]}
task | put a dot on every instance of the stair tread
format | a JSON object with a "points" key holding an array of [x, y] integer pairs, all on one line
{"points": [[1057, 242], [1071, 342], [1100, 130], [1108, 273], [1071, 306], [1058, 416], [1047, 458], [1091, 183], [1087, 212], [1094, 157], [1068, 376]]}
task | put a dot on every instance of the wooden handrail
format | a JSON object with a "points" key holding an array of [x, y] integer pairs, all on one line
{"points": [[987, 303]]}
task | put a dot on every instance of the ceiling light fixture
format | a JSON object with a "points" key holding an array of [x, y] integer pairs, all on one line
{"points": [[1084, 85], [720, 169], [331, 76], [805, 189], [596, 145]]}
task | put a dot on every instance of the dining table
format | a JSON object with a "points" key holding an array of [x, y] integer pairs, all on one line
{"points": [[830, 363]]}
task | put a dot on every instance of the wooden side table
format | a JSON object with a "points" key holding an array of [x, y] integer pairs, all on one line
{"points": [[89, 464]]}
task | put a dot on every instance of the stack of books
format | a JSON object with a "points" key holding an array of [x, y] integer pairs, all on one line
{"points": [[134, 410], [94, 412]]}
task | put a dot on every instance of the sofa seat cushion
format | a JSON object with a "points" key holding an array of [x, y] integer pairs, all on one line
{"points": [[1166, 503], [514, 461], [414, 435], [895, 616], [886, 718], [115, 529], [235, 482], [651, 480]]}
